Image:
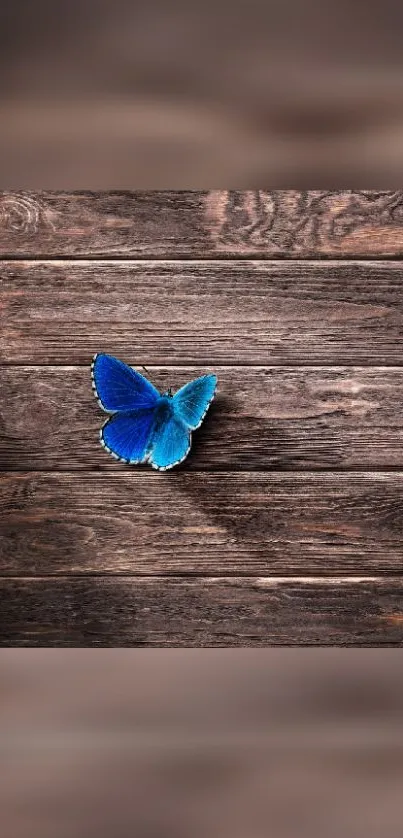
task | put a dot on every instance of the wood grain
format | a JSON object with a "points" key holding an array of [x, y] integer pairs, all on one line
{"points": [[262, 418], [283, 527], [168, 224], [200, 612], [219, 524], [245, 312]]}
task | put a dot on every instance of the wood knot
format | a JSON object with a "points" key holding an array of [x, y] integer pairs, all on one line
{"points": [[19, 213], [244, 222]]}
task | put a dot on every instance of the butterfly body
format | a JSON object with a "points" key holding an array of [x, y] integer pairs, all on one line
{"points": [[146, 426], [163, 413]]}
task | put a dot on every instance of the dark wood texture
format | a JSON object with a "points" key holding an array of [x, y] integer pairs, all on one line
{"points": [[284, 525], [202, 224], [201, 612], [142, 522], [232, 312], [262, 418]]}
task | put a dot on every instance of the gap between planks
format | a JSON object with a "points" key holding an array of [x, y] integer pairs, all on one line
{"points": [[197, 365], [259, 580], [202, 260], [219, 257], [123, 468]]}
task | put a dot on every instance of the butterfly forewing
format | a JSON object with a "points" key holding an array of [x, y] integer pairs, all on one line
{"points": [[120, 388]]}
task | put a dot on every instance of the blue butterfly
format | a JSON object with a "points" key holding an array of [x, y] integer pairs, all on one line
{"points": [[145, 426]]}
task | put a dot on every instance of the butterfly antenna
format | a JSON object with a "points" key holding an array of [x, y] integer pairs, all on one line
{"points": [[146, 370]]}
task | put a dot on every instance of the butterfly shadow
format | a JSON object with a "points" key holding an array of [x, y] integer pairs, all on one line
{"points": [[226, 494], [214, 426]]}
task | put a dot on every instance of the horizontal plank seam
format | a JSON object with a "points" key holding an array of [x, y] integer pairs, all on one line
{"points": [[221, 365], [132, 471], [263, 580], [212, 257]]}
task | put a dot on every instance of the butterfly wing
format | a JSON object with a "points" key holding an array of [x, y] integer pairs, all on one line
{"points": [[130, 434], [119, 387], [126, 435], [192, 401], [171, 444]]}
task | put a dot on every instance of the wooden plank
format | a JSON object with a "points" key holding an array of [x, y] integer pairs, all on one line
{"points": [[202, 312], [109, 224], [262, 418], [144, 522], [201, 612], [202, 224]]}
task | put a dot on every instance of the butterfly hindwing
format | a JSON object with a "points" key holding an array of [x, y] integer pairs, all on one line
{"points": [[120, 388], [126, 435], [170, 445], [191, 402]]}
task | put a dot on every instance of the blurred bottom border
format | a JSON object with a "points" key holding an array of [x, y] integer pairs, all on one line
{"points": [[240, 743]]}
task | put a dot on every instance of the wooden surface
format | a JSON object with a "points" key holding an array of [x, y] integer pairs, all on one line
{"points": [[209, 313], [284, 524], [262, 418], [200, 612], [202, 224], [136, 522]]}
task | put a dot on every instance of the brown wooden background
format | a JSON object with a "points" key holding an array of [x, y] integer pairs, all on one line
{"points": [[284, 525]]}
